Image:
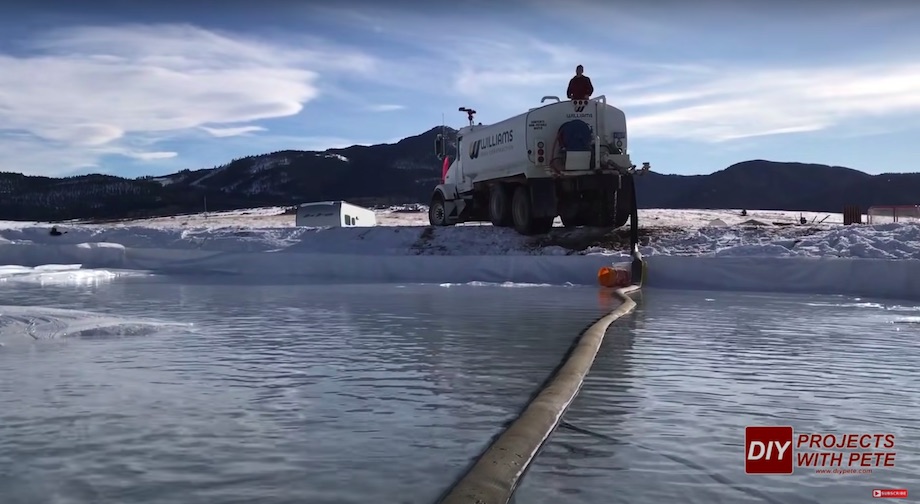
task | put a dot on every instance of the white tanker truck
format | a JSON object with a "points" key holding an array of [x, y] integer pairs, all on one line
{"points": [[566, 158]]}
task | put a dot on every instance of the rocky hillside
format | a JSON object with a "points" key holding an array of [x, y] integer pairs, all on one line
{"points": [[767, 185], [407, 171]]}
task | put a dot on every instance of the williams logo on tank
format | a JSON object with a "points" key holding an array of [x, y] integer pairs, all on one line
{"points": [[474, 149], [500, 142]]}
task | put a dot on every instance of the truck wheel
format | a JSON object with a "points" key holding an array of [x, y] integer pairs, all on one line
{"points": [[607, 214], [437, 213], [614, 209], [522, 212], [499, 206]]}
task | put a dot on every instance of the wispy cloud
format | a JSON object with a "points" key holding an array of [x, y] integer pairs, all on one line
{"points": [[693, 74], [386, 107], [25, 154], [80, 91], [737, 102], [503, 69], [229, 132], [150, 156]]}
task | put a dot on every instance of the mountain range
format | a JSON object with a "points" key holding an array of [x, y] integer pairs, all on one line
{"points": [[407, 172]]}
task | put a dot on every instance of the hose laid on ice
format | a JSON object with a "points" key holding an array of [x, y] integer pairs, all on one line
{"points": [[496, 473]]}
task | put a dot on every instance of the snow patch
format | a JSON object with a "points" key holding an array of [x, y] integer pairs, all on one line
{"points": [[682, 247], [267, 163], [330, 155], [211, 173]]}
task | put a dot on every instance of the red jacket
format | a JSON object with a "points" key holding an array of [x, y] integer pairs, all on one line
{"points": [[580, 88]]}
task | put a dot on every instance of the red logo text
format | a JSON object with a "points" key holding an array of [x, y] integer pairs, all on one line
{"points": [[779, 450]]}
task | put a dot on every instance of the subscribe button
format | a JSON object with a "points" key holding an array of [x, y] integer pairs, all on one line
{"points": [[890, 493]]}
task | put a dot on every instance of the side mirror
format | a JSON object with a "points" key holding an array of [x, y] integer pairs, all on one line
{"points": [[439, 146]]}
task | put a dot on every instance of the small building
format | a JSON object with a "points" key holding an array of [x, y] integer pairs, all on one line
{"points": [[334, 214]]}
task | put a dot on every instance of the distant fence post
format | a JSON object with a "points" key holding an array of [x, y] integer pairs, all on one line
{"points": [[852, 214]]}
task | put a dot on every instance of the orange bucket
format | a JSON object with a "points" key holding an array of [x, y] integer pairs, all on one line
{"points": [[614, 277]]}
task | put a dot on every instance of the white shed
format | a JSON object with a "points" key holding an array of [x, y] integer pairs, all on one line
{"points": [[334, 214]]}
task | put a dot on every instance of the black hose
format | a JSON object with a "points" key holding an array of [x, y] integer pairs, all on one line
{"points": [[630, 186], [637, 268]]}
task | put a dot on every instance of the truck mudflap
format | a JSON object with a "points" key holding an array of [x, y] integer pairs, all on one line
{"points": [[543, 197]]}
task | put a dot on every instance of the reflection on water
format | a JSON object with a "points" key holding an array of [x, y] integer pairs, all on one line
{"points": [[661, 417], [269, 394]]}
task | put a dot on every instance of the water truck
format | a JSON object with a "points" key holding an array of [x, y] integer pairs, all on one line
{"points": [[567, 159]]}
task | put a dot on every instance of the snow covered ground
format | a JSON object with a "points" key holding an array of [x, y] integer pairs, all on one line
{"points": [[418, 216], [721, 249]]}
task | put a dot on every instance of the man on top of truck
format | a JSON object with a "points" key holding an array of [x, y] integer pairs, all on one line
{"points": [[580, 87]]}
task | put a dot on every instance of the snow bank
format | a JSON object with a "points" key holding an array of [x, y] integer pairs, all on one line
{"points": [[883, 278], [879, 260], [61, 274], [96, 255]]}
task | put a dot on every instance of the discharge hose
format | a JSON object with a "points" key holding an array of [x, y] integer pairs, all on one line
{"points": [[495, 474]]}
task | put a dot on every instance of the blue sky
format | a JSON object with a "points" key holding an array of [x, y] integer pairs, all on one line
{"points": [[134, 88]]}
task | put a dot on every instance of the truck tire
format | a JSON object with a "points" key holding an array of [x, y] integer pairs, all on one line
{"points": [[437, 213], [623, 206], [500, 206], [522, 213], [614, 209], [609, 214]]}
